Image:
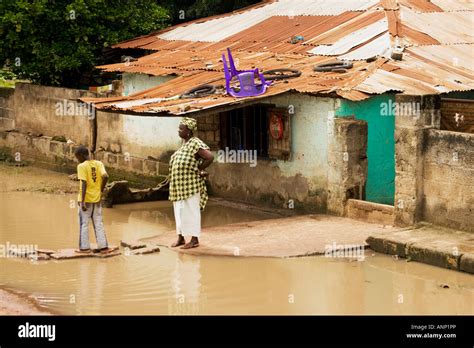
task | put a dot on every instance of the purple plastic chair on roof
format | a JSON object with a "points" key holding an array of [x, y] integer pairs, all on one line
{"points": [[246, 78]]}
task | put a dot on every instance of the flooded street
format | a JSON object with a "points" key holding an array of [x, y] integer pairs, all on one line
{"points": [[172, 283]]}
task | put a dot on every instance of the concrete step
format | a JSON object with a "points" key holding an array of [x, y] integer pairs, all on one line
{"points": [[430, 244], [370, 212]]}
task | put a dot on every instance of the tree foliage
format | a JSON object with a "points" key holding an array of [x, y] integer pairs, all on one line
{"points": [[53, 42], [185, 10]]}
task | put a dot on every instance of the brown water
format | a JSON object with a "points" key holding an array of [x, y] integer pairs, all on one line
{"points": [[171, 283]]}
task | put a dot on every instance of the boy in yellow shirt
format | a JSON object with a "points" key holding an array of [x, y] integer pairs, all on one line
{"points": [[93, 178]]}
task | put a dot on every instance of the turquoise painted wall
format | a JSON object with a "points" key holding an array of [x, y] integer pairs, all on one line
{"points": [[380, 187]]}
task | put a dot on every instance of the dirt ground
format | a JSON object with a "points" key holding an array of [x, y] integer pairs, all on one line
{"points": [[16, 304], [35, 180]]}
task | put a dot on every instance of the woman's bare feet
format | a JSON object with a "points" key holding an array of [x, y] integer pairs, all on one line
{"points": [[179, 242], [194, 243]]}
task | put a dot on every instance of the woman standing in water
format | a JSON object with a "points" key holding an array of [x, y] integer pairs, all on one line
{"points": [[187, 183]]}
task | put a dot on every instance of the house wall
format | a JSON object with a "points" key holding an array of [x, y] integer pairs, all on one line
{"points": [[134, 83], [300, 182], [410, 131], [347, 158], [448, 179], [139, 136], [380, 186]]}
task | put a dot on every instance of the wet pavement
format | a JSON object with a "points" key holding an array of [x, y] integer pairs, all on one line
{"points": [[284, 237]]}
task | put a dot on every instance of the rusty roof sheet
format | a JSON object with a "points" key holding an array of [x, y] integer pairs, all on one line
{"points": [[379, 46], [420, 5], [356, 38], [439, 25], [437, 54], [218, 29], [454, 5], [328, 21], [406, 76], [163, 98], [456, 58], [430, 5], [450, 69], [282, 28]]}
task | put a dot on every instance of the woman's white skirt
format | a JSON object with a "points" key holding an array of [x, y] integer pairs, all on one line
{"points": [[187, 214]]}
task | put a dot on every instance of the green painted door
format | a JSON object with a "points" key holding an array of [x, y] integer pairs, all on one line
{"points": [[380, 187]]}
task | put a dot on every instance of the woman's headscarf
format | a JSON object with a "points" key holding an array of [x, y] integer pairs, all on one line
{"points": [[190, 123]]}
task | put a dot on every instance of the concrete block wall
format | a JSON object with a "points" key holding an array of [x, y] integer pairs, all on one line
{"points": [[347, 156], [36, 112], [410, 130], [57, 155], [448, 179], [41, 149], [209, 130], [132, 164], [370, 212], [7, 108]]}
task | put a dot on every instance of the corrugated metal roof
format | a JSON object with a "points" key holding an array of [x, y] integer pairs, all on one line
{"points": [[454, 5], [407, 76], [438, 50], [420, 5], [219, 29], [320, 7], [430, 5], [151, 100], [377, 47], [282, 28], [445, 27], [425, 70], [456, 58], [356, 38]]}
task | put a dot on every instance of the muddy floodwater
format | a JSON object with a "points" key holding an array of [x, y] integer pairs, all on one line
{"points": [[172, 283]]}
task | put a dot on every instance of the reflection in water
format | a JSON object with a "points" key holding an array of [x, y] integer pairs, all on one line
{"points": [[186, 285], [172, 283], [91, 279]]}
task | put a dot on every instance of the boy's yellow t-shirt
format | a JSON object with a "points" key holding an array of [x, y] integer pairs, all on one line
{"points": [[91, 172]]}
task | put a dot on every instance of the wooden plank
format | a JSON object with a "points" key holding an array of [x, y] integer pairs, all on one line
{"points": [[150, 249]]}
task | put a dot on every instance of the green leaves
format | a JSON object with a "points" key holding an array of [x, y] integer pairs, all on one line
{"points": [[57, 41], [186, 10]]}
